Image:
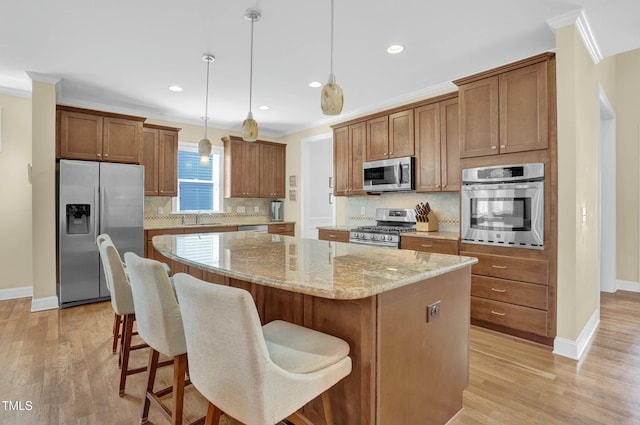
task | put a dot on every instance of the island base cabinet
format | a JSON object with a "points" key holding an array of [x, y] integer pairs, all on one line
{"points": [[423, 366]]}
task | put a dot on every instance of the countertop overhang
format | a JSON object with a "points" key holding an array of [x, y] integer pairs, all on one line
{"points": [[324, 269]]}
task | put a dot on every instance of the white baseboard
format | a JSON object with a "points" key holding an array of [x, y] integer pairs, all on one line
{"points": [[625, 285], [13, 293], [574, 349], [46, 303]]}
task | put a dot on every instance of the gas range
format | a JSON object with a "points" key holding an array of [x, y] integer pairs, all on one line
{"points": [[390, 222]]}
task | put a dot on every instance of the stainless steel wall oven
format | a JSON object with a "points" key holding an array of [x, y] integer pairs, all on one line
{"points": [[504, 206]]}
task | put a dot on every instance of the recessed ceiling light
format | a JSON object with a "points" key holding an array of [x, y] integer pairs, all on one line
{"points": [[394, 49], [175, 89], [264, 108], [315, 84]]}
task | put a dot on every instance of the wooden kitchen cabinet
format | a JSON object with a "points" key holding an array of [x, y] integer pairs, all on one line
{"points": [[160, 160], [505, 110], [254, 169], [437, 147], [348, 157], [287, 229], [98, 136], [241, 168], [333, 235], [425, 244], [390, 136], [272, 170]]}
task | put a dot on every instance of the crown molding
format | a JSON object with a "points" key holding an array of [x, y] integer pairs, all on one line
{"points": [[15, 92], [579, 18], [43, 78]]}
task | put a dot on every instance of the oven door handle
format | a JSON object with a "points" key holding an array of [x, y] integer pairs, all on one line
{"points": [[511, 186]]}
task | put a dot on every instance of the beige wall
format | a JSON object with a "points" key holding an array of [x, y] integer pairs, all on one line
{"points": [[44, 189], [15, 192], [577, 81], [627, 108]]}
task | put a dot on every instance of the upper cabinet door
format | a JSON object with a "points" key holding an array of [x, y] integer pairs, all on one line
{"points": [[251, 169], [357, 143], [150, 160], [428, 148], [524, 109], [341, 160], [401, 141], [377, 139], [450, 173], [479, 118], [80, 135], [167, 163], [121, 140]]}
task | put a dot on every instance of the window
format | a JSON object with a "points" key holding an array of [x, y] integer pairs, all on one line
{"points": [[199, 185]]}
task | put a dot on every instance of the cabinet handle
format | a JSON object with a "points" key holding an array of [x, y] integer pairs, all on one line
{"points": [[333, 236], [494, 147], [497, 313], [498, 267], [427, 246], [499, 290]]}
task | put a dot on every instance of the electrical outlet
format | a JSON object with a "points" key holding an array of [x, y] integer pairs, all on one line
{"points": [[256, 209], [363, 210], [240, 210], [160, 210], [433, 311]]}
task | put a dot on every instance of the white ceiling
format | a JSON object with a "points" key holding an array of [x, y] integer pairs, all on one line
{"points": [[121, 55]]}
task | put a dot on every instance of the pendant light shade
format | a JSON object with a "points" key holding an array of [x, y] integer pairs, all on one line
{"points": [[249, 125], [204, 146], [331, 97]]}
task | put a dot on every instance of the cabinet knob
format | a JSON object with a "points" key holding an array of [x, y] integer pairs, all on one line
{"points": [[99, 155], [391, 153], [438, 186], [386, 153], [106, 155], [494, 147], [503, 146]]}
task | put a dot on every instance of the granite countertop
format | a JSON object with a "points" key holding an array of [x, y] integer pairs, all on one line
{"points": [[308, 266], [451, 236], [159, 226]]}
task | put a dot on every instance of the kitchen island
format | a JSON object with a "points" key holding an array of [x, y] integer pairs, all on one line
{"points": [[409, 367]]}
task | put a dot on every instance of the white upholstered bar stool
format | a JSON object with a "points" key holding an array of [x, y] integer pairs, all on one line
{"points": [[117, 319], [259, 375], [160, 325], [122, 304]]}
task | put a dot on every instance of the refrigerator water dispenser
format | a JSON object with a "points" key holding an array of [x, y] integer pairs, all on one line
{"points": [[78, 217]]}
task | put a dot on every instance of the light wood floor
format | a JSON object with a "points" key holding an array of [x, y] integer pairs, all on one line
{"points": [[60, 361]]}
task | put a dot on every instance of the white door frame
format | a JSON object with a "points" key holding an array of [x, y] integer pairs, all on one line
{"points": [[304, 175], [606, 262]]}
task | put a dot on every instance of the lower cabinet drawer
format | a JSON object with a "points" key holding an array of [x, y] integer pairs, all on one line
{"points": [[441, 246], [282, 229], [333, 235], [525, 294], [513, 268], [512, 316]]}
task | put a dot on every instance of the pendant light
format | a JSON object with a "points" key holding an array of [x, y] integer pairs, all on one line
{"points": [[204, 146], [249, 125], [331, 98]]}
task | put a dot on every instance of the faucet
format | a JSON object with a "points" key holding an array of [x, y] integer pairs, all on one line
{"points": [[200, 214]]}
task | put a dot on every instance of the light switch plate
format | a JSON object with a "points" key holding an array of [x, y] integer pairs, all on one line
{"points": [[256, 209], [363, 210]]}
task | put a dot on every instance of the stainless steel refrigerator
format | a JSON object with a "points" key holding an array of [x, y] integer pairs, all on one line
{"points": [[95, 198]]}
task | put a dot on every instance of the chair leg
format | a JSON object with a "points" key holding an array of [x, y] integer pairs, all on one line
{"points": [[179, 369], [151, 377], [117, 319], [326, 406], [122, 342], [126, 348], [213, 415]]}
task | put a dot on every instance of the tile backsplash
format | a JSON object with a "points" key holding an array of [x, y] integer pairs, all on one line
{"points": [[361, 210], [157, 210]]}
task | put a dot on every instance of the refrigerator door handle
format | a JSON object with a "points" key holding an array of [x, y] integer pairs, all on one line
{"points": [[95, 217], [102, 205]]}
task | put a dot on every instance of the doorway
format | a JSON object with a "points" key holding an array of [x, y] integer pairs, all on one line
{"points": [[606, 195], [317, 200]]}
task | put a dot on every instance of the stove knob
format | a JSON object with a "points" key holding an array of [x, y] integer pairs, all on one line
{"points": [[369, 236], [381, 237], [389, 237]]}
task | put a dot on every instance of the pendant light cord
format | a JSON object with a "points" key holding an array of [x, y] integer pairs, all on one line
{"points": [[332, 37], [251, 65], [206, 101]]}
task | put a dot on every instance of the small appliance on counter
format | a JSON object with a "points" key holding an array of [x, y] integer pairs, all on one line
{"points": [[276, 210], [425, 218]]}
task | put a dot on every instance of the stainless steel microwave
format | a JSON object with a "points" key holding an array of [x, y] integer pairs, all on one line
{"points": [[389, 175]]}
